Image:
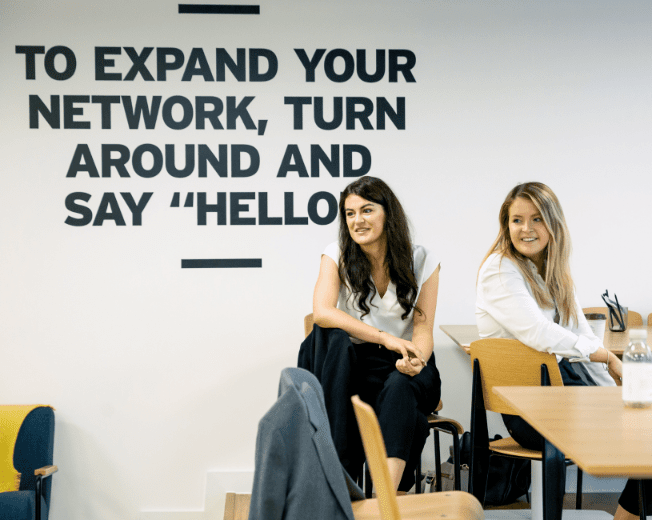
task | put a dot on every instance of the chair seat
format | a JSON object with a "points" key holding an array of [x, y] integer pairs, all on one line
{"points": [[434, 419], [450, 505], [17, 505], [511, 448]]}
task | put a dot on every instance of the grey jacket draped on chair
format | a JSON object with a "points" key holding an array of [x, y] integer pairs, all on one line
{"points": [[298, 475]]}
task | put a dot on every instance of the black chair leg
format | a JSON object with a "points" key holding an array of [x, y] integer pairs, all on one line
{"points": [[456, 456], [456, 460], [437, 462], [38, 491], [480, 453], [417, 478], [578, 496], [368, 485]]}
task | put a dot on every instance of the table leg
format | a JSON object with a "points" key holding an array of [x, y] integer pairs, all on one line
{"points": [[536, 497], [641, 500], [554, 483]]}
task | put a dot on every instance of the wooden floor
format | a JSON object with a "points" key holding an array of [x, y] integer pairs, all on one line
{"points": [[594, 501], [590, 501]]}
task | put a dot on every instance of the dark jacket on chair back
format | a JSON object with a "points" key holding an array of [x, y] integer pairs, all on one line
{"points": [[298, 475]]}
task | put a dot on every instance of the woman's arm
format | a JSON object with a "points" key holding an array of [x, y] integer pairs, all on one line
{"points": [[503, 294], [327, 315], [507, 300], [602, 355], [423, 325], [614, 365]]}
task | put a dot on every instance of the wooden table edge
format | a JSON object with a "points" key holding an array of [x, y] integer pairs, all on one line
{"points": [[464, 347], [600, 470]]}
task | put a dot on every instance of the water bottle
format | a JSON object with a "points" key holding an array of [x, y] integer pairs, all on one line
{"points": [[637, 371]]}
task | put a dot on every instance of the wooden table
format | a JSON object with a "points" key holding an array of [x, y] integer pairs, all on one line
{"points": [[464, 335], [617, 341], [589, 425]]}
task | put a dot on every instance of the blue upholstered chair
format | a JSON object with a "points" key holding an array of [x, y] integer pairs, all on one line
{"points": [[33, 447]]}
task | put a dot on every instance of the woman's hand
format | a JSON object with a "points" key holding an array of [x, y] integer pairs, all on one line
{"points": [[411, 367], [412, 361], [405, 348]]}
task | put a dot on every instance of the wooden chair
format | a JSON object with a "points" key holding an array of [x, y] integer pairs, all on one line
{"points": [[633, 317], [443, 424], [387, 506], [435, 421], [504, 362], [451, 505], [649, 320]]}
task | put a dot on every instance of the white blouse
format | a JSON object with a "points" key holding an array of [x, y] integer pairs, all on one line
{"points": [[506, 308], [385, 313]]}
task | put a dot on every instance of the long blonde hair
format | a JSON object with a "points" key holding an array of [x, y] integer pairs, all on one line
{"points": [[559, 288]]}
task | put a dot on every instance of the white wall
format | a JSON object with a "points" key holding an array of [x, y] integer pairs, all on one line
{"points": [[160, 374]]}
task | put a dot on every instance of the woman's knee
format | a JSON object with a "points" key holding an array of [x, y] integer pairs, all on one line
{"points": [[398, 381], [397, 389]]}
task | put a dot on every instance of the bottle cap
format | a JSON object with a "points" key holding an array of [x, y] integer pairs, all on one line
{"points": [[637, 334]]}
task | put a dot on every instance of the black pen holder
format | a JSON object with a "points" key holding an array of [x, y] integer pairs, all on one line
{"points": [[616, 324]]}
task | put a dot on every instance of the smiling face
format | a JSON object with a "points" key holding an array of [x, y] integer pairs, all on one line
{"points": [[527, 230], [365, 220]]}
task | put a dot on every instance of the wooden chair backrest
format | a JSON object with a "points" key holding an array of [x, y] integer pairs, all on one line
{"points": [[508, 362], [236, 506], [633, 317], [374, 448], [308, 322], [649, 319]]}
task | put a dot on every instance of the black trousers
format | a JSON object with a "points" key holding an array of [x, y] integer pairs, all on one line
{"points": [[401, 402], [531, 439]]}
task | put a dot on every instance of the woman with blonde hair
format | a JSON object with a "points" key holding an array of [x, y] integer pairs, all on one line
{"points": [[525, 291]]}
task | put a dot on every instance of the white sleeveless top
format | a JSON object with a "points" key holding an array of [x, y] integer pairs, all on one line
{"points": [[385, 313]]}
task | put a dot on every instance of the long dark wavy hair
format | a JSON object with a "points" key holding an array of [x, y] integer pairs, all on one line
{"points": [[355, 267]]}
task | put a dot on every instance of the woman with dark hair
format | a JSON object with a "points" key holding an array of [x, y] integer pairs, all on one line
{"points": [[525, 291], [379, 293]]}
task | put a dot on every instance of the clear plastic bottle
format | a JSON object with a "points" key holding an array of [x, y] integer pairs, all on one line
{"points": [[637, 371]]}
